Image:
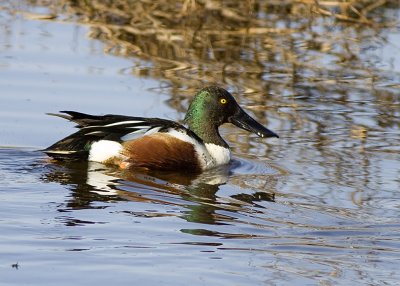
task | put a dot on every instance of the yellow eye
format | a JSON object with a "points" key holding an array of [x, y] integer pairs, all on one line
{"points": [[223, 100]]}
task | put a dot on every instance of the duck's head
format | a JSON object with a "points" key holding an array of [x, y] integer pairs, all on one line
{"points": [[214, 106]]}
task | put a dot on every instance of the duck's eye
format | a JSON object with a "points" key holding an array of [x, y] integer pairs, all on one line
{"points": [[223, 100]]}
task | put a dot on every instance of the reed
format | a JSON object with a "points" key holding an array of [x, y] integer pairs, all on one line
{"points": [[255, 46]]}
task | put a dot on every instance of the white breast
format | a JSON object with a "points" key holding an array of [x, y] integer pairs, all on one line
{"points": [[220, 154]]}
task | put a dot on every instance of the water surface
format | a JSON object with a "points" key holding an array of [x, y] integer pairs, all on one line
{"points": [[319, 206]]}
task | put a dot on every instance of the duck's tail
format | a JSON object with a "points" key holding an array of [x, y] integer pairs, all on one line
{"points": [[77, 145]]}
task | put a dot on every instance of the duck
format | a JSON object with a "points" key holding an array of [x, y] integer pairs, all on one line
{"points": [[155, 143]]}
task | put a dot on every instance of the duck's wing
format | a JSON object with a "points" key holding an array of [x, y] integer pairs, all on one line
{"points": [[93, 128]]}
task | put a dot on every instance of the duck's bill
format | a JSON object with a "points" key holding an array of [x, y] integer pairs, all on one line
{"points": [[246, 122]]}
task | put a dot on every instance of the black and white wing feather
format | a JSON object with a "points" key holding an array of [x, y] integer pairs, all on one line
{"points": [[93, 128]]}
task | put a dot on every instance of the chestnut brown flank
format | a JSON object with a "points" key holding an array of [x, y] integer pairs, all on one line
{"points": [[161, 151]]}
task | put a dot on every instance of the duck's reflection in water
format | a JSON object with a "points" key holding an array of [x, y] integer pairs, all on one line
{"points": [[197, 197]]}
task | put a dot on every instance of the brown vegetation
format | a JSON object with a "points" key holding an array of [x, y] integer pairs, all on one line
{"points": [[273, 51], [239, 43]]}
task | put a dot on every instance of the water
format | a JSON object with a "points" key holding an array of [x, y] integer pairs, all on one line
{"points": [[319, 206]]}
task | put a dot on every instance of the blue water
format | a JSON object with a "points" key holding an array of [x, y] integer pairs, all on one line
{"points": [[319, 206]]}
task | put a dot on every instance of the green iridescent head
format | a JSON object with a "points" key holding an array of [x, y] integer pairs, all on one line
{"points": [[213, 106]]}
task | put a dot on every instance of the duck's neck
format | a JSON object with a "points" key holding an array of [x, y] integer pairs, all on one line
{"points": [[207, 132], [204, 127]]}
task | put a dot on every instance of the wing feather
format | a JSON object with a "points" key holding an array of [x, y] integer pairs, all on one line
{"points": [[119, 128]]}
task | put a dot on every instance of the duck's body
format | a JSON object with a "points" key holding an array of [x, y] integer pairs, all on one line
{"points": [[137, 142], [155, 143]]}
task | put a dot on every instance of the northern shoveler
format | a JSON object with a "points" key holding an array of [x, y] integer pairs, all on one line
{"points": [[155, 143]]}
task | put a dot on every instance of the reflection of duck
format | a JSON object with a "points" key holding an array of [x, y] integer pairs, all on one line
{"points": [[159, 144], [197, 194], [75, 177]]}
